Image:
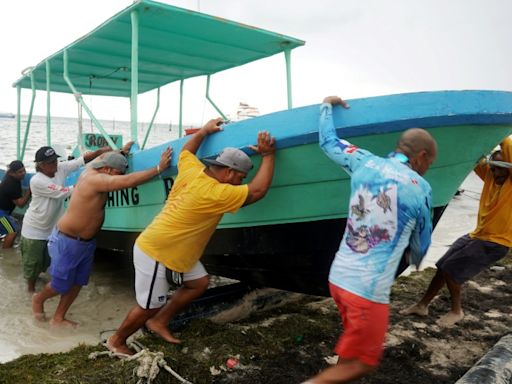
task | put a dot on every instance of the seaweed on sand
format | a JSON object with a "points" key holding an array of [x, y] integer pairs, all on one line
{"points": [[293, 342]]}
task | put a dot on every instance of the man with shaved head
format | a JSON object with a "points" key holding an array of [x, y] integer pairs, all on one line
{"points": [[389, 210]]}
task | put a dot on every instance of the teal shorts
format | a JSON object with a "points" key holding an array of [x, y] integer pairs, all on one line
{"points": [[34, 257]]}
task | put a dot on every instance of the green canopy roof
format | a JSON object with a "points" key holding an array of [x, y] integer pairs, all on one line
{"points": [[174, 44]]}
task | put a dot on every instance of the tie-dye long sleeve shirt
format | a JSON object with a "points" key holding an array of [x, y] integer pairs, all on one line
{"points": [[389, 209]]}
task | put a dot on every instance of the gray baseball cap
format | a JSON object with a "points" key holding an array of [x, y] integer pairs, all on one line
{"points": [[113, 160], [232, 158]]}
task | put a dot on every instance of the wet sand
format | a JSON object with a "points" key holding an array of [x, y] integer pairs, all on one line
{"points": [[102, 305], [99, 307]]}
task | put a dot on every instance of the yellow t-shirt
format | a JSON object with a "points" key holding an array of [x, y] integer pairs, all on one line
{"points": [[495, 211], [179, 233]]}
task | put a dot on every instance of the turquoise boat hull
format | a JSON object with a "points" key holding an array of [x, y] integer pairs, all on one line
{"points": [[288, 239]]}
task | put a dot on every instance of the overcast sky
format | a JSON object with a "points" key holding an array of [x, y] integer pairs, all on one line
{"points": [[353, 49]]}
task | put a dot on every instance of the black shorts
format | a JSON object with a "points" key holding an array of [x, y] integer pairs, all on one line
{"points": [[467, 257]]}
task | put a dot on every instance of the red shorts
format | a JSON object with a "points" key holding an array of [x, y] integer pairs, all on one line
{"points": [[365, 324]]}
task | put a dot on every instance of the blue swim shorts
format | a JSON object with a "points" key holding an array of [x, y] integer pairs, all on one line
{"points": [[7, 223], [71, 261]]}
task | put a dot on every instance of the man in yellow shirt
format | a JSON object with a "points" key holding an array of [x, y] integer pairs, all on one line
{"points": [[179, 233], [489, 242]]}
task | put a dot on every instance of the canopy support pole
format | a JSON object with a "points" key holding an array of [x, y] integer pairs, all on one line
{"points": [[18, 122], [48, 104], [81, 144], [134, 74], [210, 100], [287, 57], [180, 134], [80, 100], [153, 118], [29, 118]]}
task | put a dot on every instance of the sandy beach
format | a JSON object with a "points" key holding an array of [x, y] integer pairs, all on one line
{"points": [[301, 332]]}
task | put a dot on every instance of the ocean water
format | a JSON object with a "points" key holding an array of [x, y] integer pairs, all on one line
{"points": [[103, 304], [64, 135]]}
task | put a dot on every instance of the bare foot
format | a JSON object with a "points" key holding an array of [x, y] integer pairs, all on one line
{"points": [[41, 316], [38, 308], [450, 319], [163, 332], [416, 309], [118, 349], [64, 323]]}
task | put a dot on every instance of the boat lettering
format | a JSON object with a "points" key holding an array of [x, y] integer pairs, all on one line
{"points": [[93, 140], [168, 183], [128, 196]]}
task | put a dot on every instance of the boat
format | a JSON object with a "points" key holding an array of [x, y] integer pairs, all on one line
{"points": [[245, 111], [7, 115], [288, 239]]}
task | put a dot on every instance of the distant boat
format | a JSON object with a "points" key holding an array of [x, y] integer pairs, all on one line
{"points": [[245, 111], [288, 239], [7, 115]]}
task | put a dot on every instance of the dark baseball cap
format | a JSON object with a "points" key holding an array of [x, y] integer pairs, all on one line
{"points": [[46, 155], [15, 165], [232, 158]]}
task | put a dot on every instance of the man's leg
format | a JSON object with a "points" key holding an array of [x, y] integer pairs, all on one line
{"points": [[421, 307], [31, 286], [456, 314], [8, 227], [135, 319], [28, 262], [38, 301], [9, 240], [59, 318], [365, 324], [181, 299], [344, 372]]}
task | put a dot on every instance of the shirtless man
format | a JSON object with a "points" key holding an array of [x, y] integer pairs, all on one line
{"points": [[71, 244]]}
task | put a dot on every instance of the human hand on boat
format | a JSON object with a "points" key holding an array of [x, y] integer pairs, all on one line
{"points": [[126, 148], [336, 100], [165, 160], [266, 144], [212, 126]]}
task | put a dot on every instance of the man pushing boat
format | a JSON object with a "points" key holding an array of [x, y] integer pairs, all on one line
{"points": [[488, 243], [11, 196], [389, 209], [47, 206], [71, 244], [179, 233]]}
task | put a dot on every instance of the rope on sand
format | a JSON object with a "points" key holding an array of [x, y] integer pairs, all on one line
{"points": [[149, 363]]}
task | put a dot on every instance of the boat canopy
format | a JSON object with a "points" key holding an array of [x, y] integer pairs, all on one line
{"points": [[173, 44]]}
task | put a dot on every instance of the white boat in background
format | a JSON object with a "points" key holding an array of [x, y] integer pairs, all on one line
{"points": [[245, 111], [7, 115]]}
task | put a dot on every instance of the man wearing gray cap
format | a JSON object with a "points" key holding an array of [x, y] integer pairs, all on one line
{"points": [[47, 206], [72, 244], [176, 238]]}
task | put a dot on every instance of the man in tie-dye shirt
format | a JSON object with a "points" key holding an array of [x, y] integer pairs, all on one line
{"points": [[389, 210]]}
